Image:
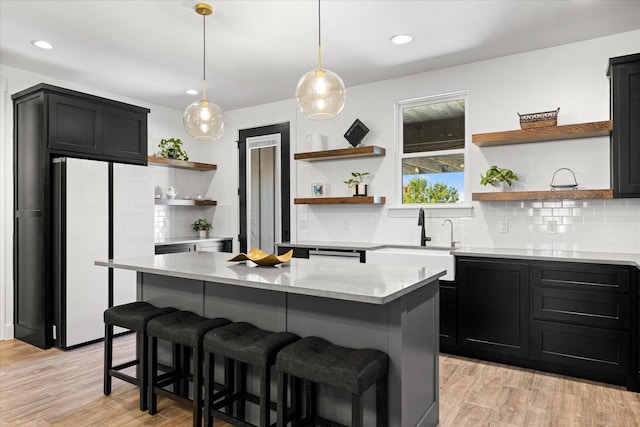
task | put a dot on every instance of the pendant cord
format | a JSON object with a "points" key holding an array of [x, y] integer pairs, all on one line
{"points": [[319, 40], [204, 56]]}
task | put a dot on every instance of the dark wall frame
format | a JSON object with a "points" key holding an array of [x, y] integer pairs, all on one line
{"points": [[285, 167]]}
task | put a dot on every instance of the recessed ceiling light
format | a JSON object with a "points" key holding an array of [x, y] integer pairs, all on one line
{"points": [[400, 39], [191, 91], [42, 44]]}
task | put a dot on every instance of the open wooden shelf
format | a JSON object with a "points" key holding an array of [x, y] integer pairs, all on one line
{"points": [[543, 195], [551, 133], [360, 200], [185, 202], [342, 153], [182, 164]]}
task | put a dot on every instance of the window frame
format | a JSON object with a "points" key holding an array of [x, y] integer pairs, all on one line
{"points": [[400, 156]]}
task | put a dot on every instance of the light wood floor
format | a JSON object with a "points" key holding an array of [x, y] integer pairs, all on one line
{"points": [[52, 387]]}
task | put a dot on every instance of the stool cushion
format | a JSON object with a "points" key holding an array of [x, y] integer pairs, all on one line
{"points": [[246, 343], [317, 360], [134, 316], [183, 327]]}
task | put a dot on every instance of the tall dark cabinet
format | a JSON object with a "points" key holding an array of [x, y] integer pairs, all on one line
{"points": [[50, 122], [624, 72]]}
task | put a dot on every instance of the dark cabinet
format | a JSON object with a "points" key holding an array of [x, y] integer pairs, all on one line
{"points": [[581, 318], [225, 245], [173, 249], [31, 264], [624, 72], [91, 127], [572, 318], [297, 252], [50, 122], [493, 306], [448, 315]]}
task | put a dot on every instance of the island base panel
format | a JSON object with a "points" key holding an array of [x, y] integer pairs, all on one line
{"points": [[407, 329]]}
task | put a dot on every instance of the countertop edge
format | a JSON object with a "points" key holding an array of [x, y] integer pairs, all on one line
{"points": [[280, 288], [559, 256]]}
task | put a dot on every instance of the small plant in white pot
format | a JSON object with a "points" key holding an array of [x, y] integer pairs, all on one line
{"points": [[202, 226], [495, 176], [357, 183]]}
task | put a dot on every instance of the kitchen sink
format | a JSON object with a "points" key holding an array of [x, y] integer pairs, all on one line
{"points": [[431, 257]]}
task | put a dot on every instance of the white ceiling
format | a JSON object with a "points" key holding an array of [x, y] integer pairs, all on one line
{"points": [[258, 49]]}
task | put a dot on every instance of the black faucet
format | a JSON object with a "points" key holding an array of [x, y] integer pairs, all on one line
{"points": [[423, 235]]}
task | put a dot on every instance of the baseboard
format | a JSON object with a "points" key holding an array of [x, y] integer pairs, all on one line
{"points": [[8, 332]]}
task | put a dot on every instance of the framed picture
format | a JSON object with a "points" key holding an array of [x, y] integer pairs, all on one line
{"points": [[318, 189]]}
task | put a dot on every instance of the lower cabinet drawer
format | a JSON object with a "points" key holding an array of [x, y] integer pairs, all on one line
{"points": [[582, 308], [581, 347]]}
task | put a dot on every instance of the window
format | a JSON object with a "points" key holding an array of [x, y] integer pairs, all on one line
{"points": [[432, 138]]}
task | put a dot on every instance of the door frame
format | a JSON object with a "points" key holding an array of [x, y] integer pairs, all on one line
{"points": [[285, 167]]}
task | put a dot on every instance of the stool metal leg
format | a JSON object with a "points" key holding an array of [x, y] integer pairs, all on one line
{"points": [[356, 410], [241, 386], [296, 390], [197, 387], [265, 396], [310, 400], [281, 403], [141, 369], [108, 357], [209, 391], [382, 417], [229, 365], [152, 376]]}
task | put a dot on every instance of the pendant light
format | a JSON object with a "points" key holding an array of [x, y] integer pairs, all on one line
{"points": [[320, 93], [204, 120]]}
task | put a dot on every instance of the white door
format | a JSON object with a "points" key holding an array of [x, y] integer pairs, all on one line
{"points": [[263, 192]]}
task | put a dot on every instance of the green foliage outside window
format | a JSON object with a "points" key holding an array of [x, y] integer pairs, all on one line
{"points": [[420, 191]]}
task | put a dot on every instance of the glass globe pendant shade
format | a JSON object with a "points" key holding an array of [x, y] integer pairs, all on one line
{"points": [[320, 94], [204, 120]]}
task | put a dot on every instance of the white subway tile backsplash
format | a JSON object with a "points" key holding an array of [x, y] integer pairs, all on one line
{"points": [[580, 226]]}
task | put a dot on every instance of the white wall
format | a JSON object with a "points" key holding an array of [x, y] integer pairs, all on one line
{"points": [[571, 77]]}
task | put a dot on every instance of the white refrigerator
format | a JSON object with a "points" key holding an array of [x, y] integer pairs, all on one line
{"points": [[100, 211]]}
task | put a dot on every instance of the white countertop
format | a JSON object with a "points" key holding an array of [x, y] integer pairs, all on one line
{"points": [[367, 283], [551, 255], [533, 254]]}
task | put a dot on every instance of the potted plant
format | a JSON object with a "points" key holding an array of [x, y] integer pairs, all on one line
{"points": [[496, 175], [172, 149], [201, 225], [357, 183]]}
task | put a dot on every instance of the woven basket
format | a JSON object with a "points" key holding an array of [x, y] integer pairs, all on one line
{"points": [[539, 120]]}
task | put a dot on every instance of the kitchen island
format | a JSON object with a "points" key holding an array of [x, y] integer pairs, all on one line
{"points": [[394, 309]]}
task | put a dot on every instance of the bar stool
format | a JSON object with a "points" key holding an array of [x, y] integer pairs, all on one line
{"points": [[133, 316], [185, 330], [317, 361], [248, 346]]}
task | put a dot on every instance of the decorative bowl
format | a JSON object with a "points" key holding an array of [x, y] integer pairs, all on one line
{"points": [[262, 258]]}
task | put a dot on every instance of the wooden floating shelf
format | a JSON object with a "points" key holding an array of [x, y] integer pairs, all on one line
{"points": [[342, 153], [185, 202], [551, 133], [361, 200], [182, 164], [543, 195]]}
